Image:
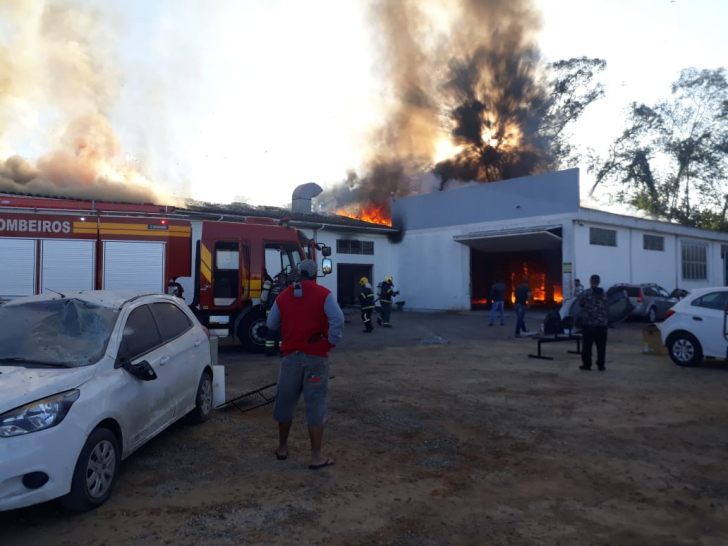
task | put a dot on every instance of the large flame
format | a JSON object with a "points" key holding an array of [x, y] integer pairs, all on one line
{"points": [[375, 214]]}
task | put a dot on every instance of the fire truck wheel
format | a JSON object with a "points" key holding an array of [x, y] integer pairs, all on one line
{"points": [[251, 331]]}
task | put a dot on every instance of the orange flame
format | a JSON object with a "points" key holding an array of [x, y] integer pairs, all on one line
{"points": [[375, 214]]}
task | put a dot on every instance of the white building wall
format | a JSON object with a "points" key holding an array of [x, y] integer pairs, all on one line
{"points": [[435, 271], [384, 261], [660, 267], [629, 262], [610, 263]]}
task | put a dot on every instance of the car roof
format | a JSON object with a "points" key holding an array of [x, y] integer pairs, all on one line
{"points": [[113, 299], [701, 291]]}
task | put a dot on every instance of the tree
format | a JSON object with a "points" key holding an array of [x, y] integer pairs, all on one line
{"points": [[571, 90], [672, 158]]}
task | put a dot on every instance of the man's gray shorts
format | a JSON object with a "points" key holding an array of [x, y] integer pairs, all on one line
{"points": [[302, 373]]}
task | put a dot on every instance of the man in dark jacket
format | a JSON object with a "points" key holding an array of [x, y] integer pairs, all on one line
{"points": [[522, 295], [311, 324], [595, 324], [497, 293], [366, 299]]}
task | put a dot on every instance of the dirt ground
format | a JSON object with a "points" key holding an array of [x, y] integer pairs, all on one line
{"points": [[466, 442]]}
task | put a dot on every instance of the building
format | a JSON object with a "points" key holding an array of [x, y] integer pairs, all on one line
{"points": [[444, 251], [457, 242]]}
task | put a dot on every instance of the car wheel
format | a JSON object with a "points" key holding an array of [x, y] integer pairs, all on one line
{"points": [[203, 401], [95, 472], [684, 349], [252, 331], [651, 315]]}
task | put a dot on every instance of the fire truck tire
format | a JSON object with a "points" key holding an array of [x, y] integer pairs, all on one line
{"points": [[251, 331]]}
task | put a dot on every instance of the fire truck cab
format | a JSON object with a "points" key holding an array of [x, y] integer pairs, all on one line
{"points": [[231, 263]]}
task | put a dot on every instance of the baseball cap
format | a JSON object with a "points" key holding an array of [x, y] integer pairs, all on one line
{"points": [[308, 268]]}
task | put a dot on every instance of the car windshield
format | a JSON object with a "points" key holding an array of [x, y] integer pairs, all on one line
{"points": [[59, 332]]}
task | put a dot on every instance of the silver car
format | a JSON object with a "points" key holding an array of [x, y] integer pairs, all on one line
{"points": [[650, 300]]}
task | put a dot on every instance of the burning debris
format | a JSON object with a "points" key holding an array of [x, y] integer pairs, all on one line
{"points": [[58, 67], [471, 101]]}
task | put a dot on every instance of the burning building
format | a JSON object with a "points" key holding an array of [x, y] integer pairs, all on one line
{"points": [[457, 243]]}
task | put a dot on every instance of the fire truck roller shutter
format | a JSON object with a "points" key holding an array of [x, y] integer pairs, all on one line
{"points": [[134, 265], [17, 267], [67, 265]]}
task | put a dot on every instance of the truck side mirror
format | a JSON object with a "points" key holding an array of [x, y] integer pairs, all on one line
{"points": [[326, 251], [326, 266]]}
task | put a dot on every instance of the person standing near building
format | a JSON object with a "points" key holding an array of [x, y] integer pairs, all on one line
{"points": [[578, 288], [366, 299], [311, 324], [522, 296], [385, 296], [595, 324], [497, 293]]}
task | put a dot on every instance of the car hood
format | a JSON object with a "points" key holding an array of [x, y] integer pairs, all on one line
{"points": [[20, 385]]}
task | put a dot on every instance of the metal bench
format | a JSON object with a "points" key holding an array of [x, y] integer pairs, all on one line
{"points": [[555, 338]]}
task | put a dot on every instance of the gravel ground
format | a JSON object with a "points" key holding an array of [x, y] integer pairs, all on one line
{"points": [[444, 432]]}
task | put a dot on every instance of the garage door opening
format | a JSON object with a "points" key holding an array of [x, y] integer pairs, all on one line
{"points": [[511, 256], [347, 282]]}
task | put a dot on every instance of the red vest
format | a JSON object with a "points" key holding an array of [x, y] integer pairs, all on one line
{"points": [[304, 324]]}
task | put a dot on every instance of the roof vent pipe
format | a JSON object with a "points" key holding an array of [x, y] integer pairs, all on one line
{"points": [[302, 196]]}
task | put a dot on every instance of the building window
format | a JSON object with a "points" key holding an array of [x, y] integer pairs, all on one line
{"points": [[352, 246], [694, 262], [653, 242], [602, 237]]}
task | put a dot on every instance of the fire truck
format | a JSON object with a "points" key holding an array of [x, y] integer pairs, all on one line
{"points": [[219, 268]]}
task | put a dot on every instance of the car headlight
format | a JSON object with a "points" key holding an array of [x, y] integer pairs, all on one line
{"points": [[38, 415]]}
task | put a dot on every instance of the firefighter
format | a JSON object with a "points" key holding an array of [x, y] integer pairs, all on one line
{"points": [[366, 298], [271, 290], [386, 293]]}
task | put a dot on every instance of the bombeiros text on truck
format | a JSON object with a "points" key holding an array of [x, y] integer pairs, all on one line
{"points": [[218, 267]]}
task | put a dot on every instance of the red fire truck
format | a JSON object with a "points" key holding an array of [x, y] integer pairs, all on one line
{"points": [[218, 267]]}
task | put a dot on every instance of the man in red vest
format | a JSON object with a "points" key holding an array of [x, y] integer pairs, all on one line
{"points": [[311, 324]]}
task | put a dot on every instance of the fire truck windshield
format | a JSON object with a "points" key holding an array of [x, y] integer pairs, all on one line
{"points": [[281, 258]]}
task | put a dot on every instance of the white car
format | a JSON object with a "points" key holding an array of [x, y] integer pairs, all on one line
{"points": [[695, 327], [85, 379]]}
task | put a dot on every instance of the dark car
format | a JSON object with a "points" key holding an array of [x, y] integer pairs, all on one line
{"points": [[619, 307], [651, 301]]}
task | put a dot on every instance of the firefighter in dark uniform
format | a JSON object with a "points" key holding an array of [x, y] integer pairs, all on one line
{"points": [[366, 298], [386, 294], [271, 290]]}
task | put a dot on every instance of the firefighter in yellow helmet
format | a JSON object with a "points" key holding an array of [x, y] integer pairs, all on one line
{"points": [[366, 298], [386, 294]]}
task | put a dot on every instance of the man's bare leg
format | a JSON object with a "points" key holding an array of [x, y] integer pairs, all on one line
{"points": [[283, 430], [316, 433]]}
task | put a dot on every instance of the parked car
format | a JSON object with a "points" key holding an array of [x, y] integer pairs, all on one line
{"points": [[86, 378], [650, 301], [695, 327]]}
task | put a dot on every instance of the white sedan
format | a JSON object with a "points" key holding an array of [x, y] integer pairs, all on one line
{"points": [[695, 327], [86, 378]]}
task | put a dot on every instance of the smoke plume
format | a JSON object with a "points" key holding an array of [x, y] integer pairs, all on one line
{"points": [[59, 74], [464, 79]]}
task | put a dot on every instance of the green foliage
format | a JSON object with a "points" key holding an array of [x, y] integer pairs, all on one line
{"points": [[672, 158]]}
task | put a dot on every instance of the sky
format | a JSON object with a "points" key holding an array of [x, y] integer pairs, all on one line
{"points": [[243, 100]]}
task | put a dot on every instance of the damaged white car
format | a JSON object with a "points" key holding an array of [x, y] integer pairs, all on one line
{"points": [[85, 379]]}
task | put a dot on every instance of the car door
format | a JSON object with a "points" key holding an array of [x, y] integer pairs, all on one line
{"points": [[664, 301], [706, 315], [185, 346], [148, 406]]}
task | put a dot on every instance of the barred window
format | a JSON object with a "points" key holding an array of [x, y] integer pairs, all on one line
{"points": [[602, 237], [352, 246], [694, 262], [653, 242]]}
